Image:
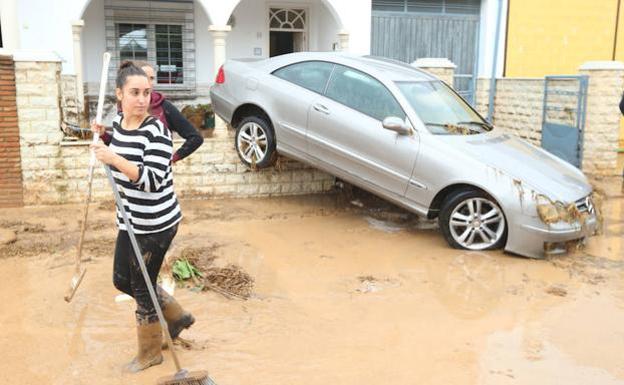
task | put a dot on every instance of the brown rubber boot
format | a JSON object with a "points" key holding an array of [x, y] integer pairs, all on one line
{"points": [[177, 319], [150, 340]]}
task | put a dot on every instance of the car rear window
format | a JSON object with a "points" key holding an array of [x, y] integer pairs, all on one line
{"points": [[312, 75]]}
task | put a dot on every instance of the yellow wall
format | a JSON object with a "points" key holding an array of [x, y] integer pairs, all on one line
{"points": [[554, 37], [619, 49]]}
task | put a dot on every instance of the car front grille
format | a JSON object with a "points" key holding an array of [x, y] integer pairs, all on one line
{"points": [[585, 205]]}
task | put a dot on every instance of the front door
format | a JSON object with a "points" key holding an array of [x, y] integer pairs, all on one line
{"points": [[345, 132], [287, 31]]}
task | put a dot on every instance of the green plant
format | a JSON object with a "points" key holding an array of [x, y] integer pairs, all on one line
{"points": [[184, 270]]}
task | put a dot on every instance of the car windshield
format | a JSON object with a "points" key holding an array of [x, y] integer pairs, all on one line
{"points": [[442, 110]]}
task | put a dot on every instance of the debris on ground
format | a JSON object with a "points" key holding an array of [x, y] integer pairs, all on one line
{"points": [[196, 265], [187, 344], [23, 227], [557, 290], [357, 202], [370, 284], [379, 213], [230, 281]]}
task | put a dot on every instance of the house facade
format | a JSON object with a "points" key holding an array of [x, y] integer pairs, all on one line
{"points": [[187, 40]]}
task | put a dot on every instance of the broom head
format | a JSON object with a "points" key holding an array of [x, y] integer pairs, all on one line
{"points": [[192, 378]]}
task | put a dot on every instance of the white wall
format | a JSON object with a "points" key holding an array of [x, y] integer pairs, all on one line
{"points": [[356, 19], [45, 25], [8, 21], [487, 32], [93, 41], [328, 32], [203, 48], [250, 30]]}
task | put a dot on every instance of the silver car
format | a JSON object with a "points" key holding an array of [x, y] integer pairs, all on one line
{"points": [[406, 136]]}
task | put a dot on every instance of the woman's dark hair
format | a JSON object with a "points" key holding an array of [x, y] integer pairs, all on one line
{"points": [[127, 68]]}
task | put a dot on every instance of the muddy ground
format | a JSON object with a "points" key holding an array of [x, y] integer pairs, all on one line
{"points": [[345, 292]]}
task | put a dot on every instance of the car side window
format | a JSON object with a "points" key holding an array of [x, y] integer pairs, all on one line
{"points": [[363, 93], [312, 75]]}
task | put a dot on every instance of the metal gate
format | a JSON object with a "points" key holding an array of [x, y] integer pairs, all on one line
{"points": [[563, 119], [408, 36]]}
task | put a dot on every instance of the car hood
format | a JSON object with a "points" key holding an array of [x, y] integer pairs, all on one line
{"points": [[537, 168]]}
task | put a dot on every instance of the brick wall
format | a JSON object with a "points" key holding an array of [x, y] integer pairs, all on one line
{"points": [[10, 163]]}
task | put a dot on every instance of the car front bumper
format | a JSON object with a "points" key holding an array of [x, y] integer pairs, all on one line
{"points": [[539, 240]]}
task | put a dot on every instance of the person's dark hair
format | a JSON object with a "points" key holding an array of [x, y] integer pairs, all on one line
{"points": [[127, 68], [142, 63]]}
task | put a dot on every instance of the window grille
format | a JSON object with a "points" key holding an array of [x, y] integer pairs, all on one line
{"points": [[159, 32], [282, 19]]}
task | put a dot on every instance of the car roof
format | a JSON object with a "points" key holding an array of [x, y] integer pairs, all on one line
{"points": [[380, 67]]}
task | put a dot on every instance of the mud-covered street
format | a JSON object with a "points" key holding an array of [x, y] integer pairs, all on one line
{"points": [[343, 293]]}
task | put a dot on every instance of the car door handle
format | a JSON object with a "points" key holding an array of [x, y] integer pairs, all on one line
{"points": [[321, 108]]}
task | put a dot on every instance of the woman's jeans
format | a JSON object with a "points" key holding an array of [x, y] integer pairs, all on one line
{"points": [[127, 276]]}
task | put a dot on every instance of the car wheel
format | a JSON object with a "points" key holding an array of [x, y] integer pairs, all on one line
{"points": [[255, 142], [472, 220]]}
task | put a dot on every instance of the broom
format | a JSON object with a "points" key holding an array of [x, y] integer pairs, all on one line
{"points": [[79, 270], [182, 376]]}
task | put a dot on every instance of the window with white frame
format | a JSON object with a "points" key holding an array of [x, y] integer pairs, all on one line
{"points": [[159, 32]]}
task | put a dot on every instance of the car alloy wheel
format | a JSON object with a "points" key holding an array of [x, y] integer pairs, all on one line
{"points": [[252, 143], [471, 219], [477, 224], [255, 142]]}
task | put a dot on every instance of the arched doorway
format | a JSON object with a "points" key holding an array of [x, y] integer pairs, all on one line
{"points": [[299, 25]]}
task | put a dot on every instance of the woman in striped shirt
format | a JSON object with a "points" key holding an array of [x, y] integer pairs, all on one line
{"points": [[139, 154]]}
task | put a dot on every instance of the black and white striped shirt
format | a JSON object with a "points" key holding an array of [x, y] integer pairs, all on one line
{"points": [[150, 202]]}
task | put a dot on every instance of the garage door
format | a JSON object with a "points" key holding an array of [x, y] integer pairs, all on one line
{"points": [[407, 30]]}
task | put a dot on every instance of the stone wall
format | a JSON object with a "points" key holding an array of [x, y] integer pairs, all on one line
{"points": [[71, 116], [606, 81], [518, 109], [441, 68], [11, 193], [518, 106], [214, 170], [37, 85], [55, 169]]}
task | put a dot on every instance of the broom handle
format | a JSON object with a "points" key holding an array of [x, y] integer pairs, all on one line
{"points": [[98, 119], [139, 257]]}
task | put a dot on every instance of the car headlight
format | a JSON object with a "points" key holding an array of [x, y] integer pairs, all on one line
{"points": [[553, 212]]}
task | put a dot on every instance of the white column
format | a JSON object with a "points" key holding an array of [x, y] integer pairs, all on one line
{"points": [[219, 34], [76, 32], [343, 39], [10, 28]]}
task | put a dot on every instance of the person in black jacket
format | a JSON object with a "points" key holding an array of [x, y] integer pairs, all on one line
{"points": [[622, 105], [169, 115]]}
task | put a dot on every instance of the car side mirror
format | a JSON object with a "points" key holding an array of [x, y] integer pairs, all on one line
{"points": [[397, 125]]}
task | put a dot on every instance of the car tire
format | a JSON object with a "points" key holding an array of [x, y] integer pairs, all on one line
{"points": [[255, 142], [473, 220]]}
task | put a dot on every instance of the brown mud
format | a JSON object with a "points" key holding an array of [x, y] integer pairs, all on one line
{"points": [[337, 298]]}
